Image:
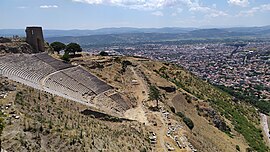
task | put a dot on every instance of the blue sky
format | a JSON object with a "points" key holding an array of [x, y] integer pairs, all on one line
{"points": [[94, 14]]}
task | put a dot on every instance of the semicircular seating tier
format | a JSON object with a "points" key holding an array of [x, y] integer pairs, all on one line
{"points": [[43, 72]]}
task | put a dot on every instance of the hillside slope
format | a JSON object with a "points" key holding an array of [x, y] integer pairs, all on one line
{"points": [[48, 123], [37, 121], [213, 112]]}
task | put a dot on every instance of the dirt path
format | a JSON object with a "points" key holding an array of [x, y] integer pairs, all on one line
{"points": [[138, 113], [265, 126], [162, 131]]}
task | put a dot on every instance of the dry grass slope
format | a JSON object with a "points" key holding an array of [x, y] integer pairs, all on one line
{"points": [[50, 123]]}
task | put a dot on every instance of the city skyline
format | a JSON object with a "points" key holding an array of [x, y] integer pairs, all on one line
{"points": [[95, 14]]}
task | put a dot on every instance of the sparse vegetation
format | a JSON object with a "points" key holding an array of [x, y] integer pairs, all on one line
{"points": [[188, 122], [154, 94], [125, 63], [60, 125], [249, 97], [221, 101], [2, 125], [180, 114], [68, 126]]}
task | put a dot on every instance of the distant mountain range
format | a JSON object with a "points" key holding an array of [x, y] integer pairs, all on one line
{"points": [[102, 31], [107, 36], [125, 30]]}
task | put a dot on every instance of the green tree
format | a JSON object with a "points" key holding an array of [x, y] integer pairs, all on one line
{"points": [[73, 48], [154, 94], [237, 147], [58, 46], [103, 53], [188, 122], [66, 57]]}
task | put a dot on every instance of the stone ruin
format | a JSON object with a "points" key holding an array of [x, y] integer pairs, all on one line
{"points": [[34, 37]]}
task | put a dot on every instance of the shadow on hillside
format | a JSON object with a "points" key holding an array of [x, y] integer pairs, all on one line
{"points": [[102, 116]]}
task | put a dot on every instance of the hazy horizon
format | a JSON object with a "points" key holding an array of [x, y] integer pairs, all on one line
{"points": [[202, 27]]}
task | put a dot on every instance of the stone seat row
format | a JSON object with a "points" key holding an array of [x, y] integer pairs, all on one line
{"points": [[87, 79], [9, 70], [58, 87], [63, 83], [28, 67]]}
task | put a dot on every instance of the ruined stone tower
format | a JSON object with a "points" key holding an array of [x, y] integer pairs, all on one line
{"points": [[34, 37]]}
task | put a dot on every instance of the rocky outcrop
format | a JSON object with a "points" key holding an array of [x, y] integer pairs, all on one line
{"points": [[15, 47], [4, 40], [214, 117]]}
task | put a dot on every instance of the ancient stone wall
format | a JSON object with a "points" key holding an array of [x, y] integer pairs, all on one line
{"points": [[34, 37]]}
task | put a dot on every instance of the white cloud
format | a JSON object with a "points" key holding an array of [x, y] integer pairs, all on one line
{"points": [[142, 4], [198, 8], [265, 7], [48, 6], [242, 3], [157, 5], [158, 13], [210, 12], [254, 10], [178, 11], [217, 14], [22, 7]]}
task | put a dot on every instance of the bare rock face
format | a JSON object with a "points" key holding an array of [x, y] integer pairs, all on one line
{"points": [[213, 116], [4, 40], [220, 124], [9, 46], [6, 86]]}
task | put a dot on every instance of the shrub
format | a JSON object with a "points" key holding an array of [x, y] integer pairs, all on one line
{"points": [[237, 147], [65, 57], [180, 114], [172, 109], [124, 66], [103, 53], [189, 123]]}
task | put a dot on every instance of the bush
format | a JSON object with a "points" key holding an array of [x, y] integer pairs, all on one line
{"points": [[188, 98], [65, 57], [237, 147], [124, 66], [180, 114], [189, 123], [117, 60], [172, 109], [103, 53], [126, 63]]}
